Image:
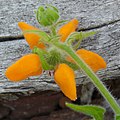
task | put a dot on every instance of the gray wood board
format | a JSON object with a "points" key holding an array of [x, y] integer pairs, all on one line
{"points": [[103, 15], [91, 13], [106, 43]]}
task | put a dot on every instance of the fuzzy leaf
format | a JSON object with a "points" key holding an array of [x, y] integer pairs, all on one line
{"points": [[96, 112], [117, 117], [77, 37], [80, 36], [87, 34]]}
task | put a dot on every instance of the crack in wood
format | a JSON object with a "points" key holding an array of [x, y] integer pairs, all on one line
{"points": [[103, 16], [99, 26], [11, 38]]}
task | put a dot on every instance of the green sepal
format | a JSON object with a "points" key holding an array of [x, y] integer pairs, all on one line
{"points": [[54, 57], [87, 34], [55, 38], [44, 62], [96, 112], [70, 64], [77, 37], [80, 35]]}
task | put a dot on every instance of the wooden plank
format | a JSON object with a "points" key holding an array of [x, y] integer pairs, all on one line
{"points": [[106, 43], [90, 13]]}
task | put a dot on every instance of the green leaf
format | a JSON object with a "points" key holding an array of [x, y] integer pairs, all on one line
{"points": [[96, 112], [117, 117], [87, 34], [77, 37], [80, 35]]}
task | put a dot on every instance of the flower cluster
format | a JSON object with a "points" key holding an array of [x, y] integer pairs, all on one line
{"points": [[64, 76]]}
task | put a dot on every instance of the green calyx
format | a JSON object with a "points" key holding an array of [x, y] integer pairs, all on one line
{"points": [[54, 57], [51, 58], [47, 16]]}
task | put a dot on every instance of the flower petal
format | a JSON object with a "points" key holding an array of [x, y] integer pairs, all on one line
{"points": [[92, 59], [31, 38], [26, 66], [65, 78], [95, 61], [67, 29]]}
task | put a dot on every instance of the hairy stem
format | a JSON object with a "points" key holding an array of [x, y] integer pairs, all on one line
{"points": [[87, 70]]}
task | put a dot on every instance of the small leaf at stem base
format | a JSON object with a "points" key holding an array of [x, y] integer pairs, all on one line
{"points": [[96, 112], [117, 117]]}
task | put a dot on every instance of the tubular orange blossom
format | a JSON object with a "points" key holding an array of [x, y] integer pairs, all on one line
{"points": [[28, 65], [67, 29], [31, 38], [65, 78], [95, 61]]}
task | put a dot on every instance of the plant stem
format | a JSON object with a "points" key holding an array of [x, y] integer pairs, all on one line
{"points": [[96, 81], [53, 30]]}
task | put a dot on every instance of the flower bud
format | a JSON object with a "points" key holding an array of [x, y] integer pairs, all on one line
{"points": [[47, 16]]}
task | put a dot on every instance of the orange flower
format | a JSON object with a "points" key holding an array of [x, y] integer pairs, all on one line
{"points": [[28, 65], [65, 78], [92, 59], [67, 29], [31, 38]]}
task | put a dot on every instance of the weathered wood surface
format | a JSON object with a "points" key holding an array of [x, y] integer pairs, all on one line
{"points": [[105, 43], [103, 16], [91, 13]]}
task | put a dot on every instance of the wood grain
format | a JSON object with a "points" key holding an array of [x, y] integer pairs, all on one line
{"points": [[91, 13], [102, 16]]}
